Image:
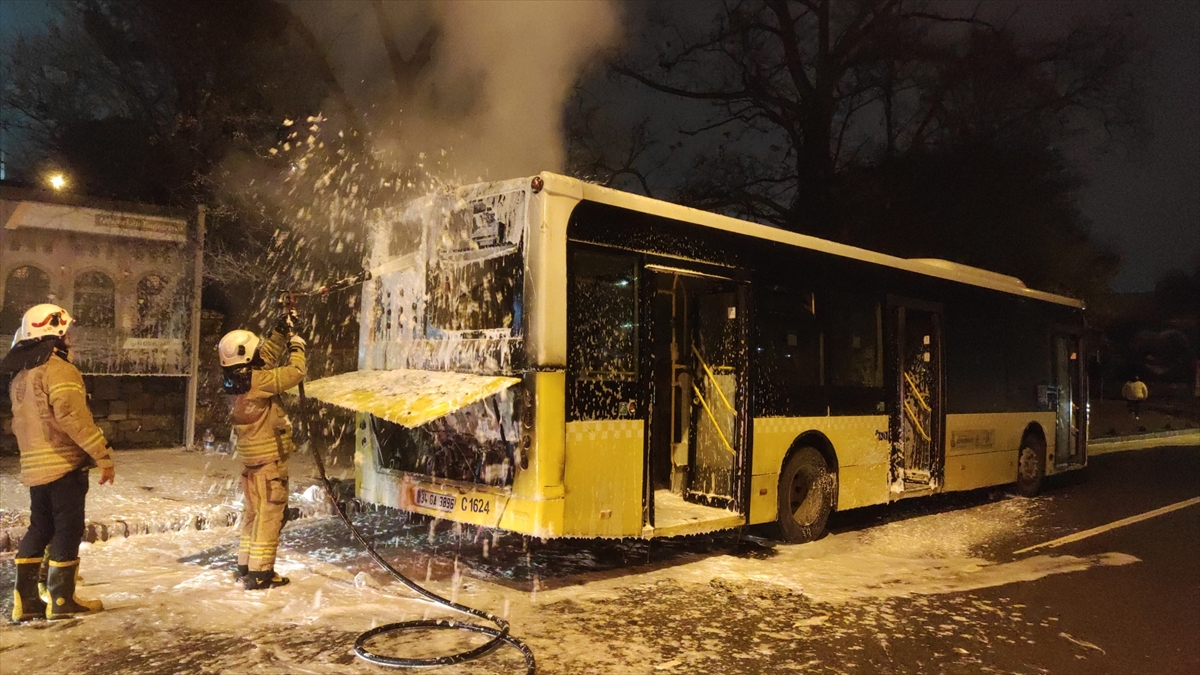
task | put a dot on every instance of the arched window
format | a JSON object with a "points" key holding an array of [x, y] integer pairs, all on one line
{"points": [[25, 287], [153, 306], [95, 306]]}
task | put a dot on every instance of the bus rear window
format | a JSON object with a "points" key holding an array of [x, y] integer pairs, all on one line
{"points": [[476, 274], [470, 295]]}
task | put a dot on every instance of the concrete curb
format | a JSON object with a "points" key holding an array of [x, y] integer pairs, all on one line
{"points": [[1138, 437], [103, 530], [221, 516]]}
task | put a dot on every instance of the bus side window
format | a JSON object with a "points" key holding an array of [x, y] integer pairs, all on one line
{"points": [[788, 354], [853, 352], [602, 334]]}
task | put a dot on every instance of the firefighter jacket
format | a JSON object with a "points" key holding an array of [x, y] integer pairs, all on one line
{"points": [[54, 428], [264, 432]]}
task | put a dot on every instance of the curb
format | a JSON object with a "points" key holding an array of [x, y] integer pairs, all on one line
{"points": [[1183, 437], [221, 516], [1139, 437]]}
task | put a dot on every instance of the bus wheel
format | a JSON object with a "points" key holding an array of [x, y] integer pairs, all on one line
{"points": [[1031, 466], [805, 496]]}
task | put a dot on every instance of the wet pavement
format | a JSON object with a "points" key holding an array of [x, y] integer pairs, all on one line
{"points": [[921, 586]]}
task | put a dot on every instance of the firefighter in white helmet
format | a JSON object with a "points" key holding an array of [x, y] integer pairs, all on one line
{"points": [[254, 381], [59, 442]]}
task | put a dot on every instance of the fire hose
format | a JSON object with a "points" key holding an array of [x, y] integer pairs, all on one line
{"points": [[498, 635]]}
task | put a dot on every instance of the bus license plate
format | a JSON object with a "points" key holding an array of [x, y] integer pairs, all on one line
{"points": [[435, 500]]}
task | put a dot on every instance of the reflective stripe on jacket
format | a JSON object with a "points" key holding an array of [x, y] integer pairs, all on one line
{"points": [[53, 425], [264, 432]]}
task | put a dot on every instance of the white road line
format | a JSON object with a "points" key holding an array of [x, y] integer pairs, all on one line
{"points": [[1111, 526]]}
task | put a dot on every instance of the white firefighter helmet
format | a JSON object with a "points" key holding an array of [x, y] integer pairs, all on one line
{"points": [[237, 347], [43, 320]]}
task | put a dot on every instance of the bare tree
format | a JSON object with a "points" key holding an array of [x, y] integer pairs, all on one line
{"points": [[800, 91]]}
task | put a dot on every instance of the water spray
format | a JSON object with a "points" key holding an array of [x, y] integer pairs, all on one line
{"points": [[499, 634]]}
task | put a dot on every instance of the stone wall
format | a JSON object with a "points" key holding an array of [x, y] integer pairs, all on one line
{"points": [[133, 411], [139, 412]]}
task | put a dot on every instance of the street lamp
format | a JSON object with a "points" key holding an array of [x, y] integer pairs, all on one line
{"points": [[57, 181]]}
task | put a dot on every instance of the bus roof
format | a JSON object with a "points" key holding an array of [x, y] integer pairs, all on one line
{"points": [[942, 269]]}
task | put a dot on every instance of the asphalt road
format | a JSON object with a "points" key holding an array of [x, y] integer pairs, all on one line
{"points": [[1144, 616], [1137, 618]]}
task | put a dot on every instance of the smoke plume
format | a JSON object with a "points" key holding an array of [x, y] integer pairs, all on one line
{"points": [[491, 94]]}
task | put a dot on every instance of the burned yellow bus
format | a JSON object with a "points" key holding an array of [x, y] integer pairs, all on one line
{"points": [[560, 359]]}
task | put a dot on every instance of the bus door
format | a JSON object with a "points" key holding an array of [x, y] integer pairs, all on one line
{"points": [[916, 416], [1070, 440], [697, 408]]}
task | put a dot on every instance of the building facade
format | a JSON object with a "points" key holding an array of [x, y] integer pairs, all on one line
{"points": [[128, 275]]}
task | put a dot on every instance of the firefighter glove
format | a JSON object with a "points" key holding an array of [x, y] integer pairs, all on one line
{"points": [[288, 322]]}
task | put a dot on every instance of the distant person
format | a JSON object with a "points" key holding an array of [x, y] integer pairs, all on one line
{"points": [[264, 441], [1134, 392], [59, 442]]}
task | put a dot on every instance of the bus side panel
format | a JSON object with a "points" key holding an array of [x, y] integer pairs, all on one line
{"points": [[546, 271], [537, 503], [981, 448], [603, 478], [859, 441]]}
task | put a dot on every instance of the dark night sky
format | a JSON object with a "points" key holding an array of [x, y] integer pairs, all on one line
{"points": [[1147, 203]]}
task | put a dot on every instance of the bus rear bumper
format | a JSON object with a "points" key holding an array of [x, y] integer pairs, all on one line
{"points": [[470, 503]]}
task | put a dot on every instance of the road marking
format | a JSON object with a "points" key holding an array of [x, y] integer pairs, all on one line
{"points": [[1111, 526]]}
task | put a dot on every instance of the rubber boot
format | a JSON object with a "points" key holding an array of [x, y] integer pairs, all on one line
{"points": [[241, 573], [64, 604], [256, 581], [43, 571], [26, 602]]}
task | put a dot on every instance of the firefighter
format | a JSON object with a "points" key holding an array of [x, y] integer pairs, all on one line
{"points": [[264, 440], [59, 443]]}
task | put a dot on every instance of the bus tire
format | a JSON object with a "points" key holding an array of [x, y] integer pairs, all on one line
{"points": [[1031, 466], [805, 496]]}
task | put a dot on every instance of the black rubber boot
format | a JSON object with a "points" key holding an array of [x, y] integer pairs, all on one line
{"points": [[61, 584], [256, 581], [26, 602], [241, 573], [44, 572]]}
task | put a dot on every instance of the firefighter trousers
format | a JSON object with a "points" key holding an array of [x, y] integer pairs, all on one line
{"points": [[56, 518], [264, 500]]}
